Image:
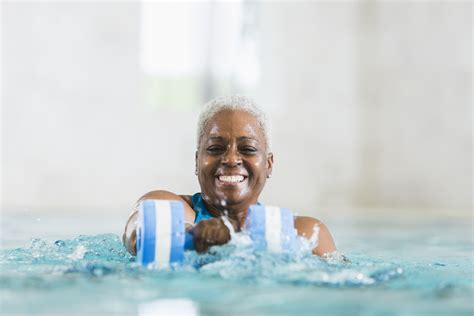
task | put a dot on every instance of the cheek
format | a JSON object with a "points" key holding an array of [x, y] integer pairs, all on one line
{"points": [[258, 166], [206, 168], [203, 163], [261, 163]]}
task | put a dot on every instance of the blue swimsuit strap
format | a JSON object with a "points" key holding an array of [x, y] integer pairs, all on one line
{"points": [[200, 208]]}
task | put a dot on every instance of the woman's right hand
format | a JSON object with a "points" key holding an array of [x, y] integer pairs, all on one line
{"points": [[209, 232], [206, 233]]}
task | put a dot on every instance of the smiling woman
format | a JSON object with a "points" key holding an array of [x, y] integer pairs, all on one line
{"points": [[233, 163]]}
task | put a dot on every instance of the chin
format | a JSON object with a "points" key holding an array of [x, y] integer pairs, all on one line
{"points": [[226, 197], [236, 198]]}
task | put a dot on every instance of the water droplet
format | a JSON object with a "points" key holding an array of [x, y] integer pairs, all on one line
{"points": [[60, 243]]}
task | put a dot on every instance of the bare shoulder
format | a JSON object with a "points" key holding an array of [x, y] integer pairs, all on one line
{"points": [[188, 199], [161, 195], [305, 227], [167, 195]]}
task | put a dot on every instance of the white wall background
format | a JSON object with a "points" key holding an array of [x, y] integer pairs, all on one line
{"points": [[371, 106]]}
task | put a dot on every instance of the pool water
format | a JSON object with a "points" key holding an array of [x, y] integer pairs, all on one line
{"points": [[75, 264]]}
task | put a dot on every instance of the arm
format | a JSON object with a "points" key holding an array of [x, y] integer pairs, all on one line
{"points": [[129, 237], [304, 225]]}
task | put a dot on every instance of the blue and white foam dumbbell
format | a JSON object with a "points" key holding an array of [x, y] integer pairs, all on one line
{"points": [[271, 228], [160, 232], [162, 239]]}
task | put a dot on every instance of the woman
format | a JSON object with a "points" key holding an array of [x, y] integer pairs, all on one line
{"points": [[233, 162]]}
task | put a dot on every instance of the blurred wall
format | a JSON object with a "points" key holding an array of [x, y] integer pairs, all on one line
{"points": [[308, 56], [414, 77], [76, 136], [371, 106]]}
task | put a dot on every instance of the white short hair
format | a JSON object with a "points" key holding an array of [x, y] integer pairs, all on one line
{"points": [[235, 103]]}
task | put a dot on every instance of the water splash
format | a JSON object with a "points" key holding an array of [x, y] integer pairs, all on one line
{"points": [[313, 241], [103, 255], [84, 255], [228, 224], [78, 253]]}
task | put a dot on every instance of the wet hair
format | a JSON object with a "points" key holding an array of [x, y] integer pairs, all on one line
{"points": [[234, 103]]}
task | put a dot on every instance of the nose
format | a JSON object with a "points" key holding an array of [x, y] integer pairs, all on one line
{"points": [[232, 158]]}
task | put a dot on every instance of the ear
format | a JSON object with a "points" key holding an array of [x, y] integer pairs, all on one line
{"points": [[196, 163], [269, 164]]}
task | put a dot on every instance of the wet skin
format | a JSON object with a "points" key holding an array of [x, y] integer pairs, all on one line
{"points": [[232, 165]]}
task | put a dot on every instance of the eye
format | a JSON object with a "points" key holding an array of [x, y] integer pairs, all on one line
{"points": [[248, 150], [215, 149]]}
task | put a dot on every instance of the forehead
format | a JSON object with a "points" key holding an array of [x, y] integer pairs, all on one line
{"points": [[233, 123]]}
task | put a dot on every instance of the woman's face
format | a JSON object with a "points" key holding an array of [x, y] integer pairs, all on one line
{"points": [[232, 162]]}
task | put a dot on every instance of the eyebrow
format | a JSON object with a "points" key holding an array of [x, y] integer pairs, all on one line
{"points": [[241, 138]]}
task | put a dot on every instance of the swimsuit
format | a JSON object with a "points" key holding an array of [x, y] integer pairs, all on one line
{"points": [[200, 208]]}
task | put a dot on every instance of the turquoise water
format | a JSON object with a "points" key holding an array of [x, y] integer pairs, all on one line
{"points": [[398, 266]]}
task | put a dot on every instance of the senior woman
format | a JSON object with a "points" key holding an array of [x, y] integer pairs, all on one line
{"points": [[233, 162]]}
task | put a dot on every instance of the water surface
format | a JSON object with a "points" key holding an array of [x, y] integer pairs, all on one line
{"points": [[56, 264]]}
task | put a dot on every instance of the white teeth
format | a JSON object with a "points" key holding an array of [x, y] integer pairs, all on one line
{"points": [[231, 179]]}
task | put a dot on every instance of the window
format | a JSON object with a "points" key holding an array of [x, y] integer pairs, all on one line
{"points": [[192, 52]]}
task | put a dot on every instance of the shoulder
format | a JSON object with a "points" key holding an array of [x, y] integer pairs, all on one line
{"points": [[167, 195], [306, 226], [188, 199]]}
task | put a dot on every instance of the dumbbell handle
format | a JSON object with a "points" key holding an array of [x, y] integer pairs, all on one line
{"points": [[189, 241]]}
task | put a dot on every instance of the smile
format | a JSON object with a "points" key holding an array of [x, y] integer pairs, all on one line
{"points": [[234, 179]]}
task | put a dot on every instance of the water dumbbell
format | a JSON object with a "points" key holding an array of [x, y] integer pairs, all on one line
{"points": [[162, 239], [270, 228], [161, 235]]}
